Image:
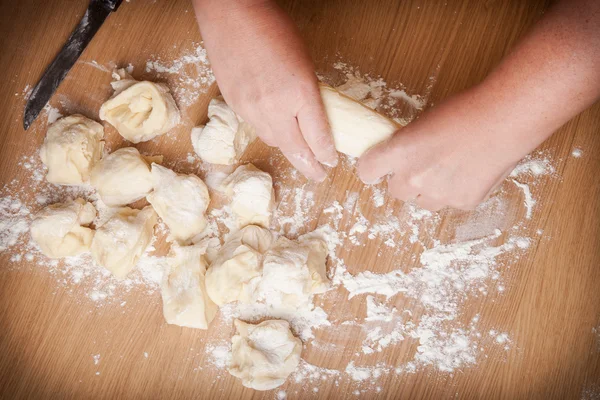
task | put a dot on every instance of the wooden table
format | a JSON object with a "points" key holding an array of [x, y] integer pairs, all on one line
{"points": [[551, 307]]}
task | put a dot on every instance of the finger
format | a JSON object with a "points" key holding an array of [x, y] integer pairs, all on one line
{"points": [[400, 190], [377, 162], [294, 147], [316, 131], [429, 203]]}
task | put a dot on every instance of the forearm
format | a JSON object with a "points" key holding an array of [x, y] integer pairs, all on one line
{"points": [[551, 76]]}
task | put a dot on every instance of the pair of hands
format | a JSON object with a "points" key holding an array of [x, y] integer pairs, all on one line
{"points": [[451, 156]]}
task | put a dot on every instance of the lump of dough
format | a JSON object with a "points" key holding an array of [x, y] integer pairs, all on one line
{"points": [[292, 272], [185, 301], [224, 138], [140, 111], [252, 196], [181, 201], [122, 177], [264, 355], [59, 229], [235, 270], [120, 242], [71, 148], [354, 126]]}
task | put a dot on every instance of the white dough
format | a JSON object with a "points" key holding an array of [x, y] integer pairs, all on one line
{"points": [[264, 355], [59, 229], [185, 301], [233, 273], [140, 111], [120, 242], [354, 126], [181, 201], [251, 194], [122, 177], [224, 138], [71, 148]]}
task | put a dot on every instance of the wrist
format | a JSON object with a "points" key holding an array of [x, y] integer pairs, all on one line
{"points": [[207, 10]]}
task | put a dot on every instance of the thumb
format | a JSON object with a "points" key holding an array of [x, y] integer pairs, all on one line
{"points": [[377, 162]]}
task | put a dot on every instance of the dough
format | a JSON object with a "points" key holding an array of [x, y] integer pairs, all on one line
{"points": [[292, 272], [251, 194], [120, 242], [355, 127], [185, 301], [122, 177], [316, 261], [181, 201], [140, 111], [224, 138], [71, 148], [237, 266], [59, 229], [264, 355]]}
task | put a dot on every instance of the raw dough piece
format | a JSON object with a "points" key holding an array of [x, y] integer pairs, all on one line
{"points": [[181, 201], [185, 301], [264, 355], [355, 127], [317, 261], [234, 272], [252, 196], [123, 177], [224, 138], [58, 229], [120, 242], [71, 148], [140, 111]]}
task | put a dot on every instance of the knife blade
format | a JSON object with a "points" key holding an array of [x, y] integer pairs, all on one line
{"points": [[92, 20]]}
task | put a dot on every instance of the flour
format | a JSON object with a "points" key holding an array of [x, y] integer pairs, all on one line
{"points": [[52, 113], [577, 152], [529, 201], [219, 354]]}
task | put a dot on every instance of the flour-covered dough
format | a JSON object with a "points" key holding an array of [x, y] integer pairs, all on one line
{"points": [[73, 145], [233, 274], [185, 301], [121, 241], [181, 201], [123, 177], [225, 136], [60, 229], [251, 194], [140, 111], [354, 126], [264, 355]]}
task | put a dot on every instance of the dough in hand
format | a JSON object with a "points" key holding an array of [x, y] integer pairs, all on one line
{"points": [[120, 242], [185, 301], [181, 201], [140, 111], [60, 229], [237, 266], [122, 177], [264, 355], [251, 194], [73, 145], [224, 138], [354, 126]]}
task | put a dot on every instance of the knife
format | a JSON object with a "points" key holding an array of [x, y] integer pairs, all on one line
{"points": [[92, 20]]}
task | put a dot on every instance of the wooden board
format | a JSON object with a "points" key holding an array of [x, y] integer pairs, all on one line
{"points": [[551, 307]]}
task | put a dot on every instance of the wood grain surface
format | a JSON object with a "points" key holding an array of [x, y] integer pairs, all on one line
{"points": [[48, 334]]}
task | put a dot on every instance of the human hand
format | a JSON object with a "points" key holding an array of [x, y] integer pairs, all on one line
{"points": [[266, 75], [455, 155]]}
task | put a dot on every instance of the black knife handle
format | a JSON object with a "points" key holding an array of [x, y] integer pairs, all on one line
{"points": [[112, 5]]}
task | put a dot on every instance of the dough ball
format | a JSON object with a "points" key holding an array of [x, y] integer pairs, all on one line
{"points": [[59, 229], [73, 145], [140, 111], [185, 301], [316, 261], [355, 127], [181, 201], [251, 194], [264, 355], [224, 138], [120, 242], [122, 177], [237, 266]]}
